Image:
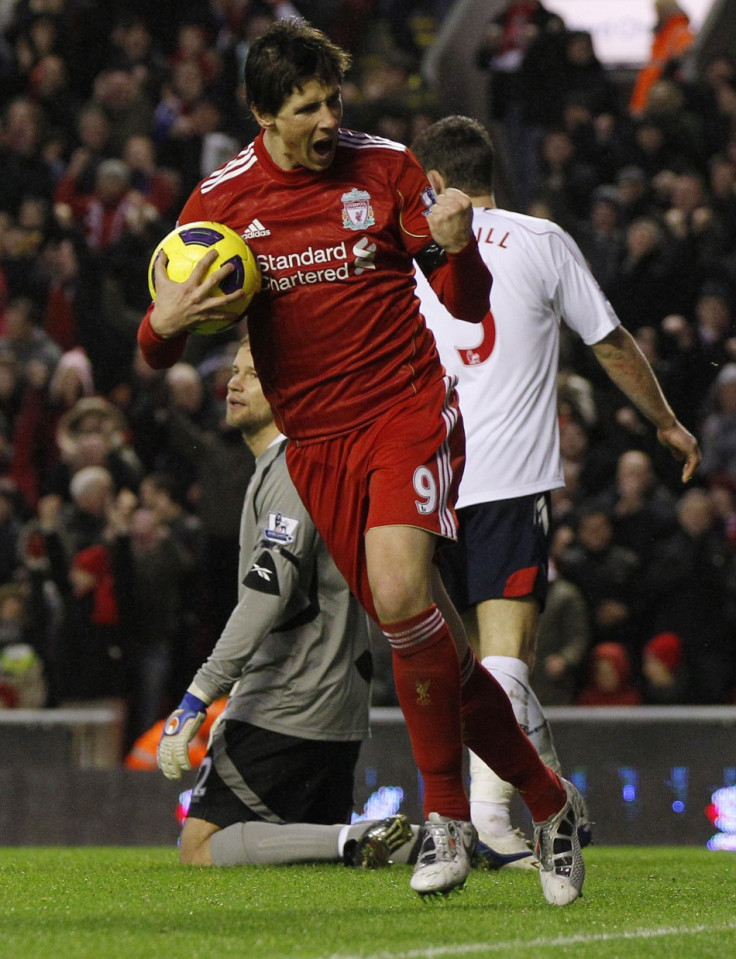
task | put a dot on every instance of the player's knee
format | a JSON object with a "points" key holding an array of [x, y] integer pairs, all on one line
{"points": [[398, 597], [194, 847], [195, 855]]}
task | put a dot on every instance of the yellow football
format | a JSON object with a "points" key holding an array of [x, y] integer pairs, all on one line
{"points": [[187, 244]]}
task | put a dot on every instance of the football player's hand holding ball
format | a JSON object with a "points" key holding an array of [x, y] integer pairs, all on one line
{"points": [[180, 728]]}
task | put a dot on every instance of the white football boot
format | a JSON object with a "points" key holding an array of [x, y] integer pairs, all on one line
{"points": [[445, 857], [557, 846]]}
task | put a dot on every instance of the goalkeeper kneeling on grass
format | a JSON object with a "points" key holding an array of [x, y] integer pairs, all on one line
{"points": [[276, 784]]}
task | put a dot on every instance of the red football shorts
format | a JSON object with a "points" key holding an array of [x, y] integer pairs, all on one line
{"points": [[402, 470]]}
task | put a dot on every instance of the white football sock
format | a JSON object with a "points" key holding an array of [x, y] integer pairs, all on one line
{"points": [[513, 675], [490, 796]]}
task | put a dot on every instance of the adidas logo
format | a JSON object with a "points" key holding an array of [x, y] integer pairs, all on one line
{"points": [[256, 228]]}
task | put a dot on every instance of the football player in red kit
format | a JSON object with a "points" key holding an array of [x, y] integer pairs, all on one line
{"points": [[335, 219]]}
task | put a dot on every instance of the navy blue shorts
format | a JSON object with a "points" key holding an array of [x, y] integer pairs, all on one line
{"points": [[255, 775], [501, 552]]}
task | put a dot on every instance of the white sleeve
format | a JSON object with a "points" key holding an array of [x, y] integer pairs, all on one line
{"points": [[578, 299]]}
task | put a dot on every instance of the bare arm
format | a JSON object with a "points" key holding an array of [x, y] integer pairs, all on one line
{"points": [[623, 361]]}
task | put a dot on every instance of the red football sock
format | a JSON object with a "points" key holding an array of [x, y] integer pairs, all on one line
{"points": [[427, 679], [491, 730]]}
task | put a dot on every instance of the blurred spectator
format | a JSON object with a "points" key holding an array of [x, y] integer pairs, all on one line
{"points": [[159, 493], [566, 182], [564, 633], [92, 144], [149, 569], [722, 491], [633, 193], [101, 214], [503, 47], [672, 38], [706, 344], [681, 125], [133, 49], [601, 237], [93, 645], [79, 308], [641, 507], [43, 403], [23, 169], [575, 394], [220, 468], [24, 338], [49, 87], [722, 184], [10, 394], [642, 292], [610, 682], [194, 45], [22, 681], [580, 463], [717, 102], [689, 585], [11, 521], [585, 76], [662, 666], [81, 522], [156, 186], [190, 122], [94, 432], [719, 428], [502, 51], [700, 238], [121, 95], [652, 150], [608, 576]]}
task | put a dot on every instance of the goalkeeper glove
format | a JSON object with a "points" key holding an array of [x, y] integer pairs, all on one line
{"points": [[180, 728]]}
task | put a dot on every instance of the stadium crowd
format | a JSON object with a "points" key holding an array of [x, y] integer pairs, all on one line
{"points": [[121, 487]]}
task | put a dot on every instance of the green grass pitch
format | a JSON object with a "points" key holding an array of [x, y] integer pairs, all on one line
{"points": [[139, 903]]}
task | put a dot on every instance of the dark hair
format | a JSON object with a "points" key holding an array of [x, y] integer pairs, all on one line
{"points": [[460, 149], [284, 58]]}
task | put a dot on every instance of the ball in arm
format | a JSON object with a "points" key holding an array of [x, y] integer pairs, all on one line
{"points": [[187, 244]]}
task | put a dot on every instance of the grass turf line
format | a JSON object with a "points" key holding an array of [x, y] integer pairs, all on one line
{"points": [[139, 903]]}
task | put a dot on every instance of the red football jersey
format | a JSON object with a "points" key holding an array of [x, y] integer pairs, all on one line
{"points": [[336, 333]]}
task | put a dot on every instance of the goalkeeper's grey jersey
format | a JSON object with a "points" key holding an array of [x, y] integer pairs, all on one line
{"points": [[295, 650]]}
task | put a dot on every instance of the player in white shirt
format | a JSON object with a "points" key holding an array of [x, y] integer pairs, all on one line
{"points": [[496, 575]]}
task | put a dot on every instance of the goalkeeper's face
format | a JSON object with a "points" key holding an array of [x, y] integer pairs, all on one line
{"points": [[247, 408]]}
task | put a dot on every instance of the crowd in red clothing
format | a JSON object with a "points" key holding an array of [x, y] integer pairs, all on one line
{"points": [[120, 488]]}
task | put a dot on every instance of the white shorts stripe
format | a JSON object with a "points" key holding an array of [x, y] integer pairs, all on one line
{"points": [[448, 524]]}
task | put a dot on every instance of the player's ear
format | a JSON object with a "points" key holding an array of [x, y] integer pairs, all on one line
{"points": [[437, 181], [264, 120]]}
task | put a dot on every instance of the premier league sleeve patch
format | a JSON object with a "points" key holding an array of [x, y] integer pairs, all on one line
{"points": [[429, 198], [280, 530], [262, 576]]}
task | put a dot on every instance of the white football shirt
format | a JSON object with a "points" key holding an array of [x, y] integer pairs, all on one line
{"points": [[507, 368]]}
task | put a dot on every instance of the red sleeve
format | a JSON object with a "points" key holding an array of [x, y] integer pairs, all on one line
{"points": [[463, 284], [159, 353], [460, 280]]}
